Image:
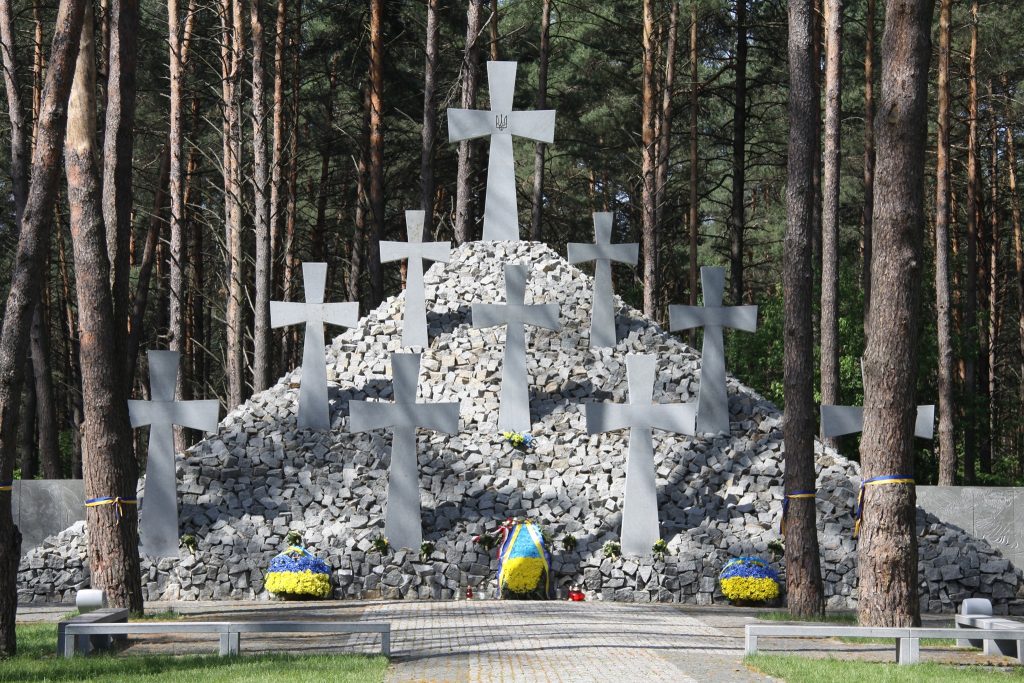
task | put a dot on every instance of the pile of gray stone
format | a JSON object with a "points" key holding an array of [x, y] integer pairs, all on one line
{"points": [[243, 489]]}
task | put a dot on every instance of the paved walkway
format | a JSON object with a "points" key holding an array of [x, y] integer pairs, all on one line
{"points": [[535, 642]]}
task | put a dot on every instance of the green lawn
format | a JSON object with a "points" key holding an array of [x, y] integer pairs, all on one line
{"points": [[795, 669], [36, 662]]}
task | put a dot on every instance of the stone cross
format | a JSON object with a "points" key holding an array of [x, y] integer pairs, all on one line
{"points": [[640, 529], [314, 409], [712, 398], [501, 216], [514, 403], [603, 252], [402, 525], [843, 420], [414, 325], [159, 523]]}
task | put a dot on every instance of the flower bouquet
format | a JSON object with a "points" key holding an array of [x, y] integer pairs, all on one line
{"points": [[747, 580], [297, 573], [520, 442]]}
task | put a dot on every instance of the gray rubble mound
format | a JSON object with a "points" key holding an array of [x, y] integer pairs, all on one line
{"points": [[243, 489]]}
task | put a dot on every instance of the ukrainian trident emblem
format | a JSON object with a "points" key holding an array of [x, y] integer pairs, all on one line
{"points": [[501, 121]]}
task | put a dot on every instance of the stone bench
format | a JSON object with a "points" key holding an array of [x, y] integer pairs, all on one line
{"points": [[106, 615], [908, 640], [229, 631], [989, 623]]}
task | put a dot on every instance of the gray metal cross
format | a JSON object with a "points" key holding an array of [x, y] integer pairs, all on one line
{"points": [[159, 524], [640, 529], [501, 216], [843, 420], [514, 406], [414, 325], [603, 252], [314, 409], [712, 398], [402, 525]]}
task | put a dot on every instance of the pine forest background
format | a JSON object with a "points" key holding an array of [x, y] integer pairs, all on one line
{"points": [[334, 149]]}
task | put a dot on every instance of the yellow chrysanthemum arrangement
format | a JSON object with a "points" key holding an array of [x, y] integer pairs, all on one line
{"points": [[298, 573], [749, 579], [522, 574]]}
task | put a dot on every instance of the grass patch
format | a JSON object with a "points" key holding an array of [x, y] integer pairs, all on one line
{"points": [[845, 618], [36, 661], [794, 669], [933, 642]]}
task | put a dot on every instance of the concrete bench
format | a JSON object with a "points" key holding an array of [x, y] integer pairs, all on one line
{"points": [[989, 623], [107, 615], [908, 640], [229, 631]]}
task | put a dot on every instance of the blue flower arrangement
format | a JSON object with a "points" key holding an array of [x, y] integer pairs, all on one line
{"points": [[749, 579], [297, 572], [519, 441]]}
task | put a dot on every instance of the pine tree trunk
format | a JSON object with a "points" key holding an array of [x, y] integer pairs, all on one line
{"points": [[118, 145], [46, 408], [376, 85], [33, 242], [992, 336], [970, 301], [464, 219], [887, 546], [28, 454], [694, 215], [262, 352], [830, 207], [648, 152], [277, 143], [107, 452], [493, 23], [803, 570], [542, 103], [737, 218], [947, 443], [429, 135], [869, 152], [290, 347], [1018, 243]]}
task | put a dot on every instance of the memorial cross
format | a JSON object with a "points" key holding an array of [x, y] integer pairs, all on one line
{"points": [[402, 525], [514, 402], [314, 409], [414, 324], [501, 216], [712, 398], [603, 252], [159, 521], [842, 420], [640, 529]]}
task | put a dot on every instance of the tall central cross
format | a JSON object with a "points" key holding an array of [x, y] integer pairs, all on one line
{"points": [[640, 529], [712, 399], [501, 216], [414, 325], [402, 525], [514, 403], [314, 409], [159, 524], [603, 252]]}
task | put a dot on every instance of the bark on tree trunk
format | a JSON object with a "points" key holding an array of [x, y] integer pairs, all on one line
{"points": [[46, 409], [235, 314], [277, 144], [992, 336], [1018, 243], [108, 458], [887, 547], [694, 215], [803, 570], [429, 135], [31, 253], [376, 84], [493, 23], [830, 208], [737, 219], [118, 144], [262, 354], [28, 455], [947, 443], [542, 103], [648, 152], [869, 152], [464, 219], [970, 304]]}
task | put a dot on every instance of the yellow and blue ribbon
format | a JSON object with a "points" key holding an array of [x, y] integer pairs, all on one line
{"points": [[796, 495], [117, 501], [6, 485], [875, 481]]}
